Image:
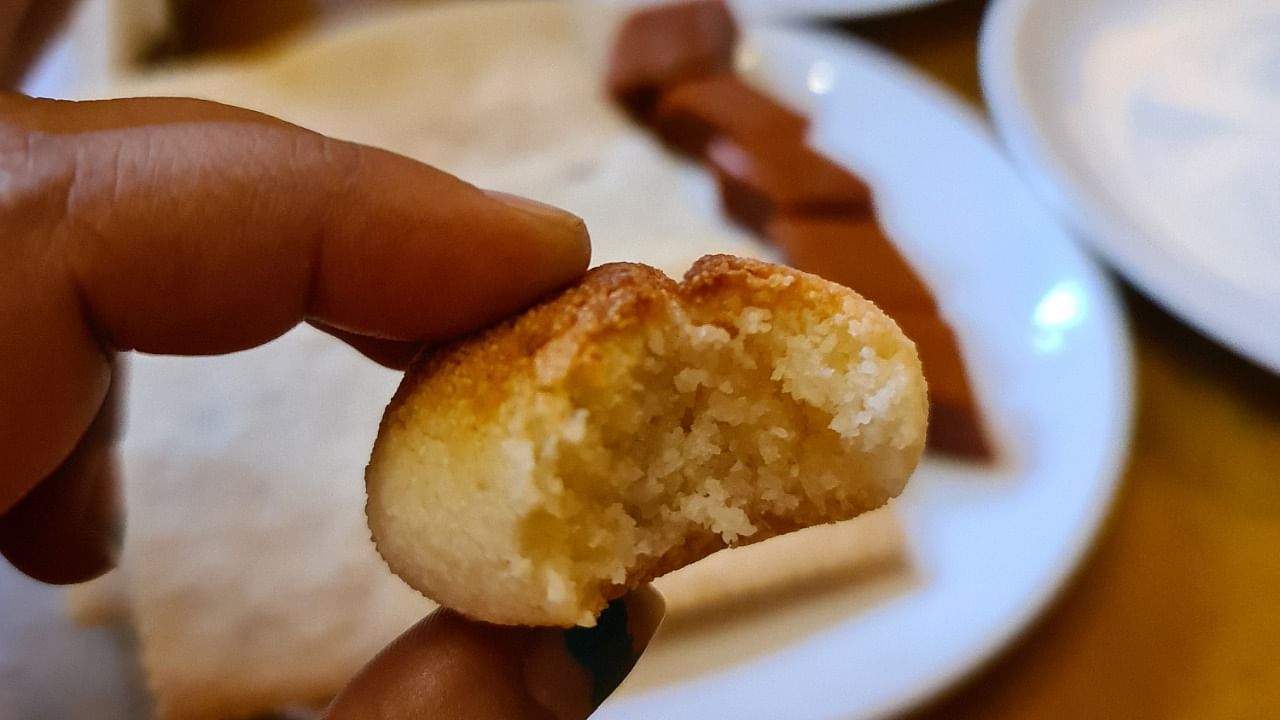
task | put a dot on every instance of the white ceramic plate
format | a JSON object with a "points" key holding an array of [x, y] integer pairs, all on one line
{"points": [[1154, 125], [989, 546]]}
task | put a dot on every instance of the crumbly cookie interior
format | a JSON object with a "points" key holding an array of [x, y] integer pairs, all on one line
{"points": [[705, 430]]}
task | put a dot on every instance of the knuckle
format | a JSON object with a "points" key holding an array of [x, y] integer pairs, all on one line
{"points": [[36, 174], [338, 159], [345, 157]]}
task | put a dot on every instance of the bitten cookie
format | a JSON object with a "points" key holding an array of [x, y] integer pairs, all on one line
{"points": [[632, 425]]}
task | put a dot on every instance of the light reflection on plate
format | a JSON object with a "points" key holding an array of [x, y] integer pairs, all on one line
{"points": [[1061, 309]]}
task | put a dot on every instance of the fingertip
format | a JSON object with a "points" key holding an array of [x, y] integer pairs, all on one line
{"points": [[444, 666], [69, 528], [450, 666], [536, 249], [568, 243]]}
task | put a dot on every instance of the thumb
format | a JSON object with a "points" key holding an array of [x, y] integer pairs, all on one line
{"points": [[449, 666]]}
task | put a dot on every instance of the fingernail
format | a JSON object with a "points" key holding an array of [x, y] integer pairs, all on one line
{"points": [[610, 649], [571, 672], [540, 210]]}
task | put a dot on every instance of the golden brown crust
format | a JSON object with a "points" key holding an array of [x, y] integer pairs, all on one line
{"points": [[476, 370], [610, 298], [716, 275]]}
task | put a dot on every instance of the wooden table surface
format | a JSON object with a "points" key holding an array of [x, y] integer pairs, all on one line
{"points": [[1177, 612]]}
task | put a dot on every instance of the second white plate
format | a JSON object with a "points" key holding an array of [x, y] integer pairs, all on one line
{"points": [[1154, 126]]}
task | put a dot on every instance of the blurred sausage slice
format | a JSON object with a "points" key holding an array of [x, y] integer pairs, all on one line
{"points": [[691, 114], [759, 180], [662, 46]]}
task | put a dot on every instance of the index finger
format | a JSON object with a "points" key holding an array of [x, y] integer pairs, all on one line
{"points": [[209, 236]]}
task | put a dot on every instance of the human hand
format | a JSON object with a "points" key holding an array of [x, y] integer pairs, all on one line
{"points": [[184, 227]]}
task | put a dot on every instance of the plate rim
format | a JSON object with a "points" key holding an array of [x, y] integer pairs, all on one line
{"points": [[1158, 274]]}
